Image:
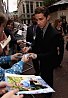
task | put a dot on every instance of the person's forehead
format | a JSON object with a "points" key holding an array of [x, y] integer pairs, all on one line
{"points": [[40, 15]]}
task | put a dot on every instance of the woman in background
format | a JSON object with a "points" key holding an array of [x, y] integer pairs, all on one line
{"points": [[9, 30], [59, 28], [3, 37]]}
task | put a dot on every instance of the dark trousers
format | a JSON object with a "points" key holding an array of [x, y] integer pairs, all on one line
{"points": [[36, 66], [47, 76]]}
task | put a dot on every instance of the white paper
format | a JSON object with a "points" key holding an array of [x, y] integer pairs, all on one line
{"points": [[19, 32], [5, 42], [40, 86]]}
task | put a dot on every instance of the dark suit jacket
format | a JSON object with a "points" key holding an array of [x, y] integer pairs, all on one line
{"points": [[31, 31], [46, 50], [30, 34]]}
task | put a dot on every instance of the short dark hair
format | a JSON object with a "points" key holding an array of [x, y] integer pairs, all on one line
{"points": [[3, 19], [42, 10]]}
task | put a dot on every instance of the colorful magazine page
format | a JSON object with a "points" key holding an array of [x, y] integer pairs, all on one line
{"points": [[28, 84], [5, 42]]}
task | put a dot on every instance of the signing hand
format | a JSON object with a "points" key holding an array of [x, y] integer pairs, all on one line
{"points": [[25, 49], [29, 56], [26, 57], [33, 55]]}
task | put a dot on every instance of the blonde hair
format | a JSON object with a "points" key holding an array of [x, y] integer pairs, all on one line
{"points": [[56, 22]]}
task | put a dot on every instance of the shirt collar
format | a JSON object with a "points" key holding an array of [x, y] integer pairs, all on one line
{"points": [[45, 28]]}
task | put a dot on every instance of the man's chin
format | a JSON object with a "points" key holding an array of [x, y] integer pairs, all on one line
{"points": [[41, 27]]}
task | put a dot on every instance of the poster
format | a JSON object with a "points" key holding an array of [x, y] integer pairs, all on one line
{"points": [[28, 84]]}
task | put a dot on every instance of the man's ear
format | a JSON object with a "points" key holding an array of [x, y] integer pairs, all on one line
{"points": [[48, 17]]}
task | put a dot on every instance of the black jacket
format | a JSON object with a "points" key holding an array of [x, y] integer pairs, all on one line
{"points": [[46, 48]]}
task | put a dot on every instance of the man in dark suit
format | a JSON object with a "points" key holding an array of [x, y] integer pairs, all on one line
{"points": [[45, 46], [30, 37]]}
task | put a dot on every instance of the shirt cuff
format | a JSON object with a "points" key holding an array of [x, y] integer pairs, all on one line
{"points": [[21, 62], [8, 58]]}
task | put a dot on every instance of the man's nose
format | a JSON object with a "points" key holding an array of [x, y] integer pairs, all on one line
{"points": [[38, 22]]}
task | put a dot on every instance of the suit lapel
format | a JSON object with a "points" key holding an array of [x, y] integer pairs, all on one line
{"points": [[48, 33]]}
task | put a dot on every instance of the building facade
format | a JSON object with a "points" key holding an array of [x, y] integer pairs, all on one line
{"points": [[26, 9], [1, 6], [59, 10]]}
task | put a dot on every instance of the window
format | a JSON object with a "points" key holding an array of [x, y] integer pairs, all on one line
{"points": [[23, 8], [27, 7], [28, 16], [37, 4], [41, 3], [31, 7]]}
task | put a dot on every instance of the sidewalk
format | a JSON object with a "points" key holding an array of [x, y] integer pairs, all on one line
{"points": [[61, 79]]}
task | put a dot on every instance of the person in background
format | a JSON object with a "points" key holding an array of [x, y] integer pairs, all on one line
{"points": [[64, 25], [59, 28], [10, 94], [9, 30], [3, 37], [30, 37], [31, 30]]}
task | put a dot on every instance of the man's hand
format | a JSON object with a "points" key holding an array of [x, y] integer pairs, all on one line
{"points": [[29, 56], [26, 57], [33, 55], [21, 43], [11, 94], [25, 49]]}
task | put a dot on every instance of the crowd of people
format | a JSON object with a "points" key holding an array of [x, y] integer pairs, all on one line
{"points": [[46, 48]]}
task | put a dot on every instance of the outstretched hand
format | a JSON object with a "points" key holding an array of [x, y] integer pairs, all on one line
{"points": [[25, 49], [33, 55], [26, 57], [15, 56]]}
